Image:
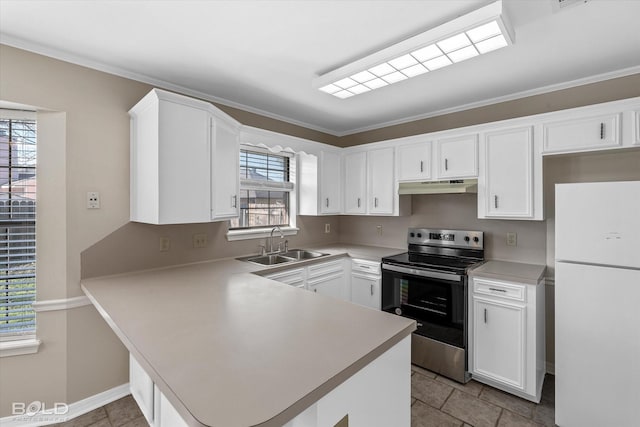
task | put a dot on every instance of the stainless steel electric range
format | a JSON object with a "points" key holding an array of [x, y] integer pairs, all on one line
{"points": [[429, 284]]}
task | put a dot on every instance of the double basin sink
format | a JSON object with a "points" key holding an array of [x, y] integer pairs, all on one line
{"points": [[283, 257]]}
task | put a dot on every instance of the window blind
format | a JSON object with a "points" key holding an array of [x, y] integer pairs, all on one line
{"points": [[17, 227]]}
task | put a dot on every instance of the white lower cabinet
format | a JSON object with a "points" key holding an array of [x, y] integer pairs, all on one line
{"points": [[506, 344], [294, 277], [155, 407], [366, 283], [329, 279]]}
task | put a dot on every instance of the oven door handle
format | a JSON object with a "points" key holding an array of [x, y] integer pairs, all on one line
{"points": [[422, 273]]}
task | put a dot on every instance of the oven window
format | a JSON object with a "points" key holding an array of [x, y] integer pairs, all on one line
{"points": [[438, 306]]}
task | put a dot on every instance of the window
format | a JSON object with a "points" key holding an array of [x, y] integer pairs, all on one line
{"points": [[265, 190], [17, 228]]}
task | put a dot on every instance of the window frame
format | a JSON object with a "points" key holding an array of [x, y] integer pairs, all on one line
{"points": [[263, 232], [22, 342]]}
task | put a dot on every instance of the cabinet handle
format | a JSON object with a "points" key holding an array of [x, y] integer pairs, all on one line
{"points": [[371, 289], [421, 166], [327, 202], [495, 201], [601, 130], [358, 201], [446, 164], [234, 201], [316, 290], [375, 202], [485, 315], [497, 290]]}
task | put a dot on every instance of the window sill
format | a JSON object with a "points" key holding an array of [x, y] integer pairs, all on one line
{"points": [[18, 347], [259, 233]]}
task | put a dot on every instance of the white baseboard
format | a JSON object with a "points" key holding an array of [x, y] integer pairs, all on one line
{"points": [[46, 417]]}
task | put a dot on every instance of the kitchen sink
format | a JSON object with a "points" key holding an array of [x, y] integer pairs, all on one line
{"points": [[299, 254], [283, 257], [269, 259]]}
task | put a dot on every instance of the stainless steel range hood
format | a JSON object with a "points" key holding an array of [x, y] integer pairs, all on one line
{"points": [[439, 187]]}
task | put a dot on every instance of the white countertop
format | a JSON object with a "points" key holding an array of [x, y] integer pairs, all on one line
{"points": [[229, 348]]}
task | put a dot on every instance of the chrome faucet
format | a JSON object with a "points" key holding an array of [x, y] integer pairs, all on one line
{"points": [[271, 238]]}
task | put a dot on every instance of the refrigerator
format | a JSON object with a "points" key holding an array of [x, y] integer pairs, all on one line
{"points": [[597, 304]]}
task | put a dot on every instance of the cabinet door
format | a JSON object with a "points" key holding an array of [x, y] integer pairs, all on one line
{"points": [[585, 134], [224, 170], [499, 336], [167, 414], [142, 389], [365, 290], [355, 183], [332, 285], [507, 179], [294, 277], [414, 161], [381, 181], [457, 157], [330, 183]]}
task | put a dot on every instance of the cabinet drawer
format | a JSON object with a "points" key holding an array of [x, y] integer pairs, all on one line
{"points": [[589, 133], [317, 270], [510, 291], [290, 277], [365, 266]]}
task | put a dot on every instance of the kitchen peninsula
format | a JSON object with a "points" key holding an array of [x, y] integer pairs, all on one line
{"points": [[225, 347]]}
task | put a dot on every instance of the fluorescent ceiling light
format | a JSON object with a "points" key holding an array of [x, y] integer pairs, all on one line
{"points": [[476, 33]]}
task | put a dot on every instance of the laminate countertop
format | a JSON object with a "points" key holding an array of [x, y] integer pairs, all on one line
{"points": [[230, 348], [531, 274]]}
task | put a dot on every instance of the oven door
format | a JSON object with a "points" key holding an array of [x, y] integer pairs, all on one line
{"points": [[436, 300]]}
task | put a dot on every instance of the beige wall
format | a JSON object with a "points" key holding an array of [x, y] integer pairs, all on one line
{"points": [[84, 146]]}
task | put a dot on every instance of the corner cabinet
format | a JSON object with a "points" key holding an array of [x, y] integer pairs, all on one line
{"points": [[184, 161], [506, 344], [510, 182], [320, 183]]}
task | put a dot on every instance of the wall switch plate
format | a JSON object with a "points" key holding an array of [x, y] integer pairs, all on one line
{"points": [[165, 244], [93, 200], [512, 239], [200, 240], [327, 228]]}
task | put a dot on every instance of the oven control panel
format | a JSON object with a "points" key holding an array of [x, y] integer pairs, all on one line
{"points": [[446, 238]]}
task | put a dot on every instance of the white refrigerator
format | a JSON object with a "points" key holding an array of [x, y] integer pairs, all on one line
{"points": [[597, 304]]}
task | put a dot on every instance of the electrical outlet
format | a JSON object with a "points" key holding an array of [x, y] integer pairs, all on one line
{"points": [[327, 228], [512, 239], [93, 200], [165, 244], [200, 240], [379, 230]]}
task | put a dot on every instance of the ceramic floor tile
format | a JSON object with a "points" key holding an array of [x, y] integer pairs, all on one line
{"points": [[423, 415], [102, 423], [122, 411], [545, 413], [425, 372], [138, 422], [508, 401], [471, 409], [429, 390], [472, 387], [509, 419], [413, 400], [87, 419]]}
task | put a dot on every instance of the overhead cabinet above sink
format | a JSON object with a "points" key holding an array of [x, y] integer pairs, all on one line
{"points": [[184, 161]]}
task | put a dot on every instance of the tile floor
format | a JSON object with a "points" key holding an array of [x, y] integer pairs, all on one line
{"points": [[436, 401]]}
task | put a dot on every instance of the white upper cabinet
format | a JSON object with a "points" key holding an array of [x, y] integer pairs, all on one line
{"points": [[583, 134], [355, 183], [184, 166], [510, 185], [381, 185], [414, 161], [457, 157], [320, 183]]}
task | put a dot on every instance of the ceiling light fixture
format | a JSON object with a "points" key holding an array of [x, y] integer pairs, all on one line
{"points": [[476, 33]]}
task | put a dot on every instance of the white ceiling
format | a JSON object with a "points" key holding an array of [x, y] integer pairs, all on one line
{"points": [[262, 56]]}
